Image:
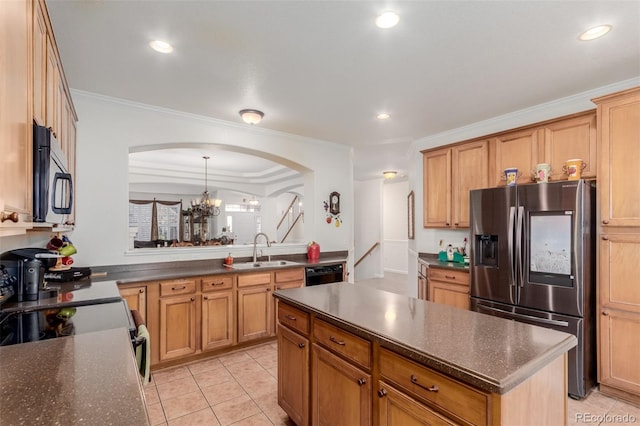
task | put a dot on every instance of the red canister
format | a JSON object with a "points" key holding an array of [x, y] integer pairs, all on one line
{"points": [[313, 251]]}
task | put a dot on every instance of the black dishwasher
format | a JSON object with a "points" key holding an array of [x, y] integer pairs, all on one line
{"points": [[324, 274]]}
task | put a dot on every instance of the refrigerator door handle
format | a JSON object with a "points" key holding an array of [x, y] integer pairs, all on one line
{"points": [[512, 263], [519, 256], [529, 317]]}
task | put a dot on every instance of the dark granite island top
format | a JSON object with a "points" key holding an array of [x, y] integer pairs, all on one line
{"points": [[490, 353], [83, 379]]}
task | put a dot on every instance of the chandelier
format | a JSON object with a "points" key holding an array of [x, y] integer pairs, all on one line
{"points": [[206, 206]]}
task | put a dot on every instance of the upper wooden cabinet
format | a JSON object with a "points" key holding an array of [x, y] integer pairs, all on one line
{"points": [[39, 64], [553, 142], [449, 175], [619, 158]]}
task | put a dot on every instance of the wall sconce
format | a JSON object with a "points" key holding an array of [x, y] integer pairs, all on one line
{"points": [[389, 174], [251, 116]]}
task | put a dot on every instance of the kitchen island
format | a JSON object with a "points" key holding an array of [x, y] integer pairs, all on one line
{"points": [[374, 356]]}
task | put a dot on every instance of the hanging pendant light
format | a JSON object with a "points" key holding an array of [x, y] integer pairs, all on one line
{"points": [[206, 206]]}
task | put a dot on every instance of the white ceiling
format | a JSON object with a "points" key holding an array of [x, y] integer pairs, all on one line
{"points": [[321, 69]]}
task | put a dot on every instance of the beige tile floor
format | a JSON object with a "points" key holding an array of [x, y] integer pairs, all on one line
{"points": [[240, 389]]}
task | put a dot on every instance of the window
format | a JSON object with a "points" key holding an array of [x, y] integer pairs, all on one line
{"points": [[156, 220]]}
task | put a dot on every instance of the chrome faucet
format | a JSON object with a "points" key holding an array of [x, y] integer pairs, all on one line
{"points": [[255, 241]]}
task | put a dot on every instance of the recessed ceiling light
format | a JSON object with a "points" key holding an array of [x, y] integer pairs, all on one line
{"points": [[383, 116], [161, 46], [387, 19], [595, 32]]}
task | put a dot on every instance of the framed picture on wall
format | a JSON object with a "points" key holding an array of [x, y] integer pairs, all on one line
{"points": [[410, 216]]}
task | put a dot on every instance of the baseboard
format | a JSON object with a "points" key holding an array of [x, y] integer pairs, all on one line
{"points": [[620, 394]]}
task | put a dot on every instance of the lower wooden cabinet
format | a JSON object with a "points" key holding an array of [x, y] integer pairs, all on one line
{"points": [[177, 326], [136, 297], [218, 324], [254, 307], [293, 375], [340, 393], [450, 287], [397, 409]]}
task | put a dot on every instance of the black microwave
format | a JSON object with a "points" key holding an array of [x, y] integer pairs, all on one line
{"points": [[52, 182]]}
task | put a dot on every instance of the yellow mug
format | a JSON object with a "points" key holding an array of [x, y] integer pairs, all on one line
{"points": [[573, 168]]}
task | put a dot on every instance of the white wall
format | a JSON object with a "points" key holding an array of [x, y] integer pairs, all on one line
{"points": [[395, 226], [108, 128], [368, 229]]}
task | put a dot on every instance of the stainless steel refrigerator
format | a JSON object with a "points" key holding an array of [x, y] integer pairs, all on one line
{"points": [[532, 259]]}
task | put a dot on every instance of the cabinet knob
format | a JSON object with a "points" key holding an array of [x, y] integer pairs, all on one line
{"points": [[605, 238], [12, 216], [362, 381], [605, 222], [142, 290], [301, 345], [447, 224], [456, 224], [605, 313], [205, 297], [382, 393], [193, 299]]}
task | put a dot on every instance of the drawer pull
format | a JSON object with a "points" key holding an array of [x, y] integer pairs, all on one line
{"points": [[12, 216], [337, 342], [382, 393], [181, 288], [290, 317], [301, 345], [432, 388], [451, 277], [220, 283], [362, 381]]}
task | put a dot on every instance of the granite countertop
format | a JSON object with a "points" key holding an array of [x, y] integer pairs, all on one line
{"points": [[87, 378], [432, 261], [128, 274], [488, 352]]}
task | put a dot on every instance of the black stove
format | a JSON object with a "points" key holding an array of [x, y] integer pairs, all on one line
{"points": [[53, 322]]}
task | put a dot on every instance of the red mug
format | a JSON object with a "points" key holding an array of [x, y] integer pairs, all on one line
{"points": [[55, 243], [67, 260]]}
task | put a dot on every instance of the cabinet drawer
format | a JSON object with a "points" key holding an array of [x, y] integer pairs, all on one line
{"points": [[423, 269], [217, 282], [342, 342], [247, 280], [293, 318], [454, 398], [290, 275], [171, 288], [449, 275]]}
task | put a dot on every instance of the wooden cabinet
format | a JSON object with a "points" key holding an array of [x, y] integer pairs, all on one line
{"points": [[293, 375], [254, 306], [136, 297], [398, 409], [39, 64], [218, 319], [177, 318], [15, 118], [619, 244], [553, 142], [340, 392], [449, 175], [450, 287]]}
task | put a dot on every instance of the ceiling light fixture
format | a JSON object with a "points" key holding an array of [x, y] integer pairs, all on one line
{"points": [[206, 206], [390, 174], [161, 46], [387, 19], [251, 116], [595, 32], [383, 116]]}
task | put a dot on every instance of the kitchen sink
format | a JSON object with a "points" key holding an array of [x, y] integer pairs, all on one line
{"points": [[259, 265]]}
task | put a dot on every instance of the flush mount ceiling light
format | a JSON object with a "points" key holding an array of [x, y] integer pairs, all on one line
{"points": [[382, 116], [161, 46], [390, 174], [595, 32], [251, 116], [387, 19]]}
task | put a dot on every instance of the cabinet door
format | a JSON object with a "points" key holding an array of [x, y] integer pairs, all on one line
{"points": [[516, 149], [51, 88], [437, 188], [71, 157], [254, 313], [618, 272], [39, 64], [136, 298], [341, 392], [422, 287], [618, 160], [293, 375], [449, 294], [398, 409], [177, 326], [619, 351], [469, 170], [568, 139], [217, 320]]}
